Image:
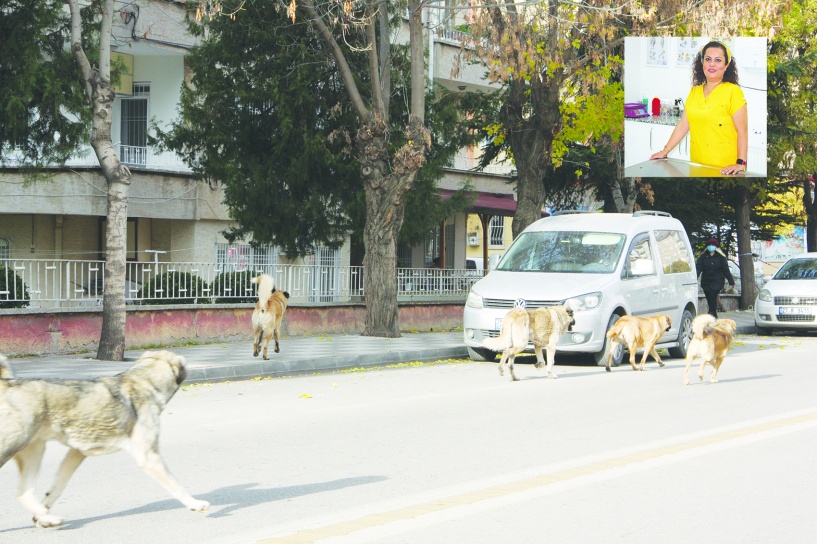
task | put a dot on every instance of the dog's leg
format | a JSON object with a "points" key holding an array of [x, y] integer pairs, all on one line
{"points": [[256, 346], [144, 449], [551, 354], [67, 468], [713, 378], [613, 346], [502, 361], [655, 355], [275, 334], [632, 349], [510, 367], [267, 338], [28, 461], [686, 371], [538, 350], [701, 370]]}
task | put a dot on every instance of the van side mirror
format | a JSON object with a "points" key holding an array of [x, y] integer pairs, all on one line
{"points": [[493, 260]]}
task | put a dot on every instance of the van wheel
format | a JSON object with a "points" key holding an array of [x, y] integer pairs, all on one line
{"points": [[618, 355], [481, 354], [684, 337]]}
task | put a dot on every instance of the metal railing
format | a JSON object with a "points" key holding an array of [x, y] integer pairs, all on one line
{"points": [[63, 283]]}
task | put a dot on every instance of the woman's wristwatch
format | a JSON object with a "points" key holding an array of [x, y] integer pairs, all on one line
{"points": [[743, 162]]}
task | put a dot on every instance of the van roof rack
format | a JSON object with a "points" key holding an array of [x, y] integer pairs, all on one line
{"points": [[651, 212], [568, 212]]}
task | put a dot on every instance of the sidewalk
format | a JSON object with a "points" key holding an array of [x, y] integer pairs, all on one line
{"points": [[299, 355]]}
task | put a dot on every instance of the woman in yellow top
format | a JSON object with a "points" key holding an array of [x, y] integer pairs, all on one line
{"points": [[715, 113]]}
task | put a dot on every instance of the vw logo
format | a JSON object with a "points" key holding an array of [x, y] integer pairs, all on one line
{"points": [[519, 303]]}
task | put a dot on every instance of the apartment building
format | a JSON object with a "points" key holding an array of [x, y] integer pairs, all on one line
{"points": [[174, 218]]}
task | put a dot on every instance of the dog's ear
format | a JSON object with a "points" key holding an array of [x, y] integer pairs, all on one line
{"points": [[179, 368]]}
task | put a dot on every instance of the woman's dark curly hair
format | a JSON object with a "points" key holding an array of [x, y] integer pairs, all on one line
{"points": [[698, 76]]}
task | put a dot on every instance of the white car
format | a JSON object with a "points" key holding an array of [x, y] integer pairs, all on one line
{"points": [[603, 266], [789, 299]]}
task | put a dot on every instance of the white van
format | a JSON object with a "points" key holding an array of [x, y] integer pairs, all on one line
{"points": [[604, 266]]}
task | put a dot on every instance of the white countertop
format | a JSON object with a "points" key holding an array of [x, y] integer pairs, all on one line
{"points": [[677, 168]]}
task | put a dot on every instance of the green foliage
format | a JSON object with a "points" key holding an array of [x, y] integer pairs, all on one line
{"points": [[231, 287], [17, 289], [168, 288], [267, 116], [44, 115]]}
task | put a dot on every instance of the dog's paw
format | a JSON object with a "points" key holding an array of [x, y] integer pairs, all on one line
{"points": [[713, 380], [48, 521], [686, 381], [552, 376], [538, 364], [199, 506], [660, 363]]}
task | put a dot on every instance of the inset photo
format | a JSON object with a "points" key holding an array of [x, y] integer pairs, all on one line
{"points": [[695, 107]]}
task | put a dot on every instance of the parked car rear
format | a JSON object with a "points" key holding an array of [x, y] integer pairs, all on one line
{"points": [[789, 299]]}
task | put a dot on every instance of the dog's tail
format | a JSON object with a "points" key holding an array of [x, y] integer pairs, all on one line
{"points": [[5, 369], [266, 286], [509, 335], [703, 325]]}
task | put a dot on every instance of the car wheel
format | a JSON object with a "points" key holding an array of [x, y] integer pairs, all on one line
{"points": [[763, 331], [684, 337], [481, 354], [618, 355]]}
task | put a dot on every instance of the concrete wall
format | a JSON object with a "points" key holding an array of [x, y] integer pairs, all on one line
{"points": [[31, 332]]}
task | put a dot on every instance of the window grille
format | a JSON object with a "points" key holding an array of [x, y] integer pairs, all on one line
{"points": [[5, 249], [134, 126], [496, 233], [245, 257]]}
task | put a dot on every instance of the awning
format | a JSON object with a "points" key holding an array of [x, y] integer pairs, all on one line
{"points": [[487, 203]]}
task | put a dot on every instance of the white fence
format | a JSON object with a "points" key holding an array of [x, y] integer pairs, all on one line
{"points": [[63, 283]]}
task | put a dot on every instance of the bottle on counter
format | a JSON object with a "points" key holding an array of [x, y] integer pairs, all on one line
{"points": [[656, 107]]}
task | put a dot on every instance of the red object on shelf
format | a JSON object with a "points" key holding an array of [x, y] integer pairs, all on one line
{"points": [[656, 106]]}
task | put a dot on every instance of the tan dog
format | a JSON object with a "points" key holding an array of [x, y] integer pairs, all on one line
{"points": [[711, 340], [268, 314], [91, 417], [542, 326], [638, 332]]}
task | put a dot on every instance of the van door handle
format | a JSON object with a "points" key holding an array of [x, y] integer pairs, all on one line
{"points": [[655, 291]]}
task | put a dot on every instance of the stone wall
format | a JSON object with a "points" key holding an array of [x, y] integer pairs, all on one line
{"points": [[52, 332]]}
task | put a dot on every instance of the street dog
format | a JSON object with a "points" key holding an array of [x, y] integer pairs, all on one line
{"points": [[91, 417], [541, 326], [638, 332], [268, 314], [711, 341]]}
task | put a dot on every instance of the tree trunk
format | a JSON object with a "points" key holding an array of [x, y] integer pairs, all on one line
{"points": [[100, 93], [810, 205], [118, 177], [743, 208], [385, 189], [531, 140]]}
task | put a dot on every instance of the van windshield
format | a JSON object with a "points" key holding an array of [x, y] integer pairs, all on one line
{"points": [[565, 251]]}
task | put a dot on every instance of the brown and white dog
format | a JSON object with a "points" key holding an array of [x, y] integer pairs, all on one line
{"points": [[268, 314], [711, 340], [541, 326], [638, 332]]}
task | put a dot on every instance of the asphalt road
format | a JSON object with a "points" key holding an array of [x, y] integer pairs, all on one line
{"points": [[454, 453]]}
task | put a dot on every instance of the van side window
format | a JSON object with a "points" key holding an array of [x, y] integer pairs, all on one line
{"points": [[675, 257], [639, 258]]}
